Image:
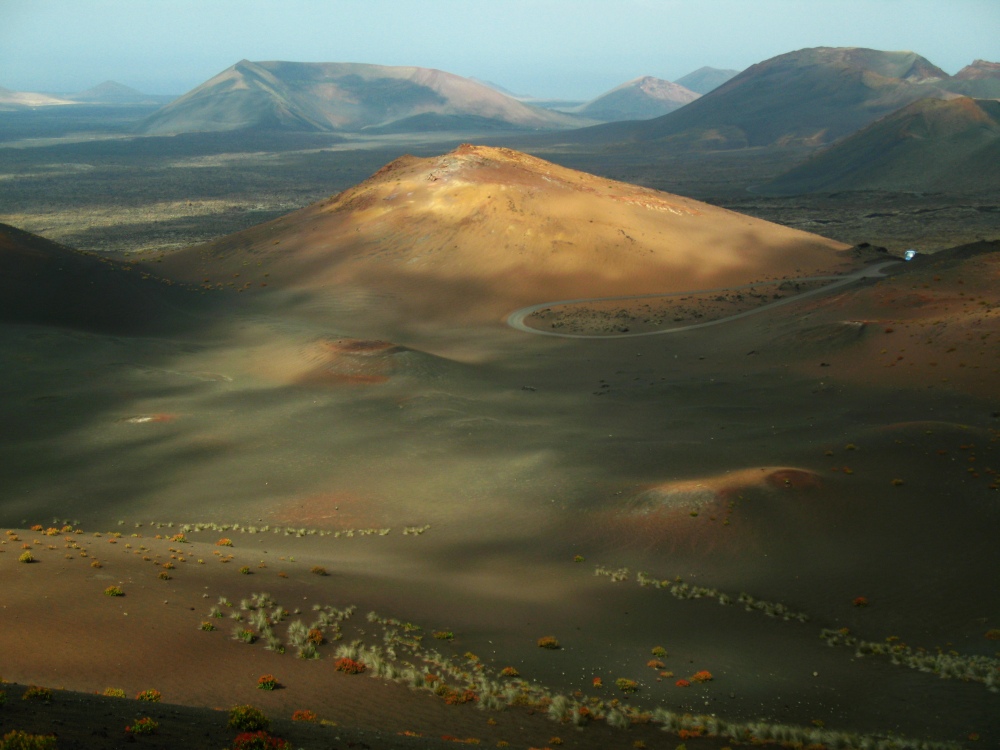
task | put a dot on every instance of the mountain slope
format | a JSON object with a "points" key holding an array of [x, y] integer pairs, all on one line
{"points": [[638, 99], [812, 96], [446, 237], [706, 79], [929, 145], [338, 97]]}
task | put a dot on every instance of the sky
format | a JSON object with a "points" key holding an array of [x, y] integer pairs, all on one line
{"points": [[565, 49]]}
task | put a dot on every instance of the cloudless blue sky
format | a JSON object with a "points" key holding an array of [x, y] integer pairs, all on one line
{"points": [[548, 48]]}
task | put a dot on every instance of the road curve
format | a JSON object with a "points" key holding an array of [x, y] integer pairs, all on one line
{"points": [[516, 319]]}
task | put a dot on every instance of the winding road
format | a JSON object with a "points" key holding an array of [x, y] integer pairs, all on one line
{"points": [[516, 319]]}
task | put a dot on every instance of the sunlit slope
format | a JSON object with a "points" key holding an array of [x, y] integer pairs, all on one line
{"points": [[481, 231], [931, 145]]}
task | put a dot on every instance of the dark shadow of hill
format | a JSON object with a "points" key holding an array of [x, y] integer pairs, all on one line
{"points": [[43, 283]]}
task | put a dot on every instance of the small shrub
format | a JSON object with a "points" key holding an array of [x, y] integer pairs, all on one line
{"points": [[246, 571], [224, 542], [259, 740], [304, 715], [659, 652], [164, 576], [248, 719], [152, 696], [267, 682], [114, 693], [26, 557], [349, 666], [682, 683], [860, 601], [114, 591], [578, 558], [510, 672], [655, 664], [207, 626], [96, 564], [993, 635], [598, 682], [702, 676], [626, 685], [315, 637], [145, 725], [244, 634], [548, 642], [18, 740], [318, 570], [36, 693]]}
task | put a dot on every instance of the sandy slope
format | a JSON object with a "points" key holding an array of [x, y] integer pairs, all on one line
{"points": [[474, 234]]}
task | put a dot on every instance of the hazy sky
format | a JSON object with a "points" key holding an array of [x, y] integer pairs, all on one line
{"points": [[548, 48]]}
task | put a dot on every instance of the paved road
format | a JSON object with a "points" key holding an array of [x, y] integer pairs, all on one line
{"points": [[516, 319]]}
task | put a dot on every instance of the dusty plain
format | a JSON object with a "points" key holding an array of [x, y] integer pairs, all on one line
{"points": [[824, 466]]}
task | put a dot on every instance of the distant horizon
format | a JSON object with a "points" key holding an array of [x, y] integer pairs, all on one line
{"points": [[549, 49]]}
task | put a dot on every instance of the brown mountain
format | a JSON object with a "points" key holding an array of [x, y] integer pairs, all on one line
{"points": [[981, 80], [344, 97], [812, 96], [930, 145], [640, 99], [479, 232]]}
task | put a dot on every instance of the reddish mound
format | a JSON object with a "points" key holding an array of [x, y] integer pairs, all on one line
{"points": [[446, 236], [350, 362], [694, 511]]}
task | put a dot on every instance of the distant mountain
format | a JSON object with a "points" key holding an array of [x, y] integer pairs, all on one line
{"points": [[501, 89], [812, 97], [980, 80], [11, 100], [639, 99], [930, 145], [559, 105], [979, 69], [341, 97], [706, 79], [111, 92]]}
